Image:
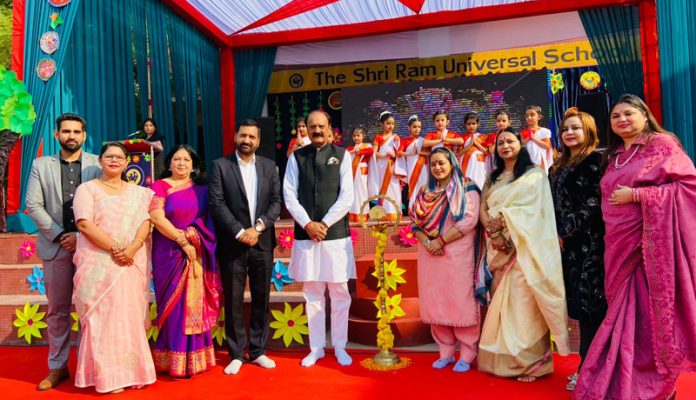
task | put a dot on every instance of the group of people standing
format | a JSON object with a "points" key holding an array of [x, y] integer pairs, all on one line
{"points": [[604, 239]]}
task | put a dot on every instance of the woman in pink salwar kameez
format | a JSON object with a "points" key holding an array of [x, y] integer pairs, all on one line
{"points": [[112, 279], [649, 207], [445, 217]]}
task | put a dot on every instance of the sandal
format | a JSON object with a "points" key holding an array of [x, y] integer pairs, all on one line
{"points": [[571, 385], [573, 377]]}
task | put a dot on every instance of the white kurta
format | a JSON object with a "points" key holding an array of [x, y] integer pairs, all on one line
{"points": [[541, 157], [328, 260], [476, 165]]}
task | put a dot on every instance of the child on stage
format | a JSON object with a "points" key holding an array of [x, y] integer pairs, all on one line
{"points": [[361, 153], [384, 174], [538, 139], [413, 159], [502, 122], [442, 136], [474, 159]]}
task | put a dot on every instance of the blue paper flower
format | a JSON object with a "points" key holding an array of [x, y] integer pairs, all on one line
{"points": [[36, 280], [280, 276]]}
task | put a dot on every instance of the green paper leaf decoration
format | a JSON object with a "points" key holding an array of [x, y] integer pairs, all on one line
{"points": [[17, 113], [56, 21]]}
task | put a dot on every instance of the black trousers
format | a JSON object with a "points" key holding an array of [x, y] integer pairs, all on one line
{"points": [[257, 265], [588, 330]]}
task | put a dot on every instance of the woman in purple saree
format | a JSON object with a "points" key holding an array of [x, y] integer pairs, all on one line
{"points": [[648, 336], [184, 269]]}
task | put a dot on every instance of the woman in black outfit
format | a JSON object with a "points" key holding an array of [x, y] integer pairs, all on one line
{"points": [[150, 129], [577, 202]]}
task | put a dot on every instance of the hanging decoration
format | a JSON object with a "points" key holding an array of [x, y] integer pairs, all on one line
{"points": [[290, 324], [56, 21], [76, 321], [334, 100], [280, 276], [36, 280], [293, 115], [388, 277], [278, 124], [406, 236], [59, 3], [45, 68], [27, 249], [320, 101], [29, 321], [153, 330], [49, 42], [305, 106], [286, 238], [218, 331], [590, 80], [557, 83]]}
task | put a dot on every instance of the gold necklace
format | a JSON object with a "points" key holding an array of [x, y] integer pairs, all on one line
{"points": [[112, 186]]}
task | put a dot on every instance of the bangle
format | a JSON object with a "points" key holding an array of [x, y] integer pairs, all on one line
{"points": [[635, 195], [442, 242]]}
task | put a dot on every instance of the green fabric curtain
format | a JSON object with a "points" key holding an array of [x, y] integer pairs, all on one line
{"points": [[106, 57], [614, 33], [677, 41], [252, 73]]}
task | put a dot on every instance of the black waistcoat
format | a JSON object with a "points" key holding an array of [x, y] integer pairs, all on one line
{"points": [[319, 183]]}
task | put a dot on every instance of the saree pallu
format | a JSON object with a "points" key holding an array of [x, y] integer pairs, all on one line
{"points": [[187, 292], [528, 303], [649, 333], [112, 301], [384, 173]]}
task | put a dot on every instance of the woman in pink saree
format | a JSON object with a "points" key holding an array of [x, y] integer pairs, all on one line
{"points": [[184, 269], [649, 207], [111, 278]]}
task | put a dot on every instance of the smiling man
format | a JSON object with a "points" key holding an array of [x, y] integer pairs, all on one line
{"points": [[50, 192]]}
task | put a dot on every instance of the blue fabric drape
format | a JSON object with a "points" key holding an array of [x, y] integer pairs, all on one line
{"points": [[252, 73], [614, 33], [102, 65], [677, 34]]}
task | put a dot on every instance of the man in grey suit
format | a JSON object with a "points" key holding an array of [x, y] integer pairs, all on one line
{"points": [[50, 192]]}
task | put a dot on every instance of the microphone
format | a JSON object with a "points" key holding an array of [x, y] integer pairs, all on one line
{"points": [[139, 134]]}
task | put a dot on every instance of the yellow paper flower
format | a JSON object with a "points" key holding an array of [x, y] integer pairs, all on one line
{"points": [[290, 324], [392, 275], [29, 322], [393, 306], [76, 324], [153, 331], [219, 328]]}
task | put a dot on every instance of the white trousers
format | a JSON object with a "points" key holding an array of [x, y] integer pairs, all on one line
{"points": [[314, 294]]}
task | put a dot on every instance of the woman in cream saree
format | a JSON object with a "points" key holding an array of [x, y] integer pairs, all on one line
{"points": [[528, 303]]}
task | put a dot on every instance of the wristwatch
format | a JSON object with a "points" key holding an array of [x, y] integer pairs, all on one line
{"points": [[426, 242], [258, 228]]}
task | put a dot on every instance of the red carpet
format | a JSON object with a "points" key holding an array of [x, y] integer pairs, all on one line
{"points": [[21, 368]]}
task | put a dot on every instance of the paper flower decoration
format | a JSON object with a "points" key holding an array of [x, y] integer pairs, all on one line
{"points": [[49, 42], [36, 280], [76, 323], [557, 83], [147, 157], [290, 324], [56, 21], [280, 276], [590, 80], [407, 237], [218, 331], [59, 3], [16, 109], [354, 235], [153, 330], [135, 158], [392, 275], [393, 305], [286, 238], [45, 68], [29, 322], [27, 249]]}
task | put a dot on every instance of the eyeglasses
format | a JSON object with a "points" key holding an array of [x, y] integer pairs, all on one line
{"points": [[114, 158]]}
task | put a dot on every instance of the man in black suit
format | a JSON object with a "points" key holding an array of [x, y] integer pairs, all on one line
{"points": [[244, 197]]}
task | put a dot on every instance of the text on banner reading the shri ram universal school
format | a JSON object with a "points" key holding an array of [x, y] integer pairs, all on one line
{"points": [[562, 55]]}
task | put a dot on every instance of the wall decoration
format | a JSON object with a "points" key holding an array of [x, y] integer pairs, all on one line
{"points": [[29, 321], [590, 80], [45, 68], [56, 21], [290, 324], [27, 249], [286, 238], [49, 42], [59, 3], [76, 321], [218, 331], [334, 100], [280, 276], [556, 83], [36, 280]]}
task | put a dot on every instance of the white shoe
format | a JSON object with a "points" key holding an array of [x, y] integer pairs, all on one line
{"points": [[312, 357], [343, 357], [233, 367], [264, 362]]}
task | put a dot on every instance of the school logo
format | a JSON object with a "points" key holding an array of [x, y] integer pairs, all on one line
{"points": [[134, 174], [296, 81]]}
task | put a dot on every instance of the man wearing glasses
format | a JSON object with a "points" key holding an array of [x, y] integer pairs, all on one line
{"points": [[50, 194]]}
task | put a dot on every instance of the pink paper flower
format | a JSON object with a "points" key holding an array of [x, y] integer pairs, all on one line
{"points": [[286, 238], [407, 237], [353, 235], [27, 249]]}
